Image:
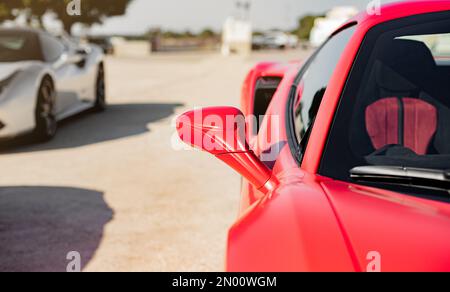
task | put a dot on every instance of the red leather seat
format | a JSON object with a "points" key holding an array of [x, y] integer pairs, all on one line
{"points": [[395, 108], [410, 122]]}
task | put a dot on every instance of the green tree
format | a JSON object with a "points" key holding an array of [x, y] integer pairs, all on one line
{"points": [[207, 33], [172, 34], [5, 13], [33, 9], [8, 9], [305, 25], [92, 11], [187, 34]]}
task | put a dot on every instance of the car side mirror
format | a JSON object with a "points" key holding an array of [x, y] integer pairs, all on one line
{"points": [[82, 51], [75, 58], [78, 57], [221, 131]]}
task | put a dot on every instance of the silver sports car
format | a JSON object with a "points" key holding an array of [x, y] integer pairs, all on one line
{"points": [[44, 79]]}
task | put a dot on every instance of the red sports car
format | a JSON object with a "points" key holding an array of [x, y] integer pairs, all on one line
{"points": [[348, 169]]}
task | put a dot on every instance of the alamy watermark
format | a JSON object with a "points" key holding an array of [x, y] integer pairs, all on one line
{"points": [[74, 8], [214, 133], [74, 264], [374, 7], [374, 262]]}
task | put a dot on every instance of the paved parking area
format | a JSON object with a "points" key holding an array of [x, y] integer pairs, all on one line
{"points": [[111, 187]]}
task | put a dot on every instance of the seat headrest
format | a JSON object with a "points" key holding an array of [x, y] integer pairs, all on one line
{"points": [[389, 81], [403, 65], [407, 57]]}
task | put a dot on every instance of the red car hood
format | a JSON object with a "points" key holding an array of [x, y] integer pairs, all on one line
{"points": [[410, 234]]}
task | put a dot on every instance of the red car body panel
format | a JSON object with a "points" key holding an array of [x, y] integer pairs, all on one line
{"points": [[312, 223], [259, 143], [267, 69], [410, 234]]}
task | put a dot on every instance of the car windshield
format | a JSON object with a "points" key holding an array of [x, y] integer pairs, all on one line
{"points": [[15, 47], [396, 108]]}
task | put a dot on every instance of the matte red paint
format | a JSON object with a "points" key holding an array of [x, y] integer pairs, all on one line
{"points": [[306, 222], [221, 132], [252, 169], [206, 127]]}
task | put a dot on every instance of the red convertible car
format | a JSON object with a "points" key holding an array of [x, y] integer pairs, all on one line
{"points": [[349, 167]]}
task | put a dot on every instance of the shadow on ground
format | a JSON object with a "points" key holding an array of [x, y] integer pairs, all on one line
{"points": [[40, 225], [118, 121]]}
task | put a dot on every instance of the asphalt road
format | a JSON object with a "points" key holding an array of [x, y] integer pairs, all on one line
{"points": [[111, 187]]}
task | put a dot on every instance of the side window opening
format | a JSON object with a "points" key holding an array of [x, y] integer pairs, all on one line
{"points": [[264, 92], [17, 46], [312, 85]]}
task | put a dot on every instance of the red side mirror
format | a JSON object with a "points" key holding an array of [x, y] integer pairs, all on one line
{"points": [[217, 130], [221, 131]]}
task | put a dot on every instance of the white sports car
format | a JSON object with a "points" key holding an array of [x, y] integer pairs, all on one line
{"points": [[44, 79]]}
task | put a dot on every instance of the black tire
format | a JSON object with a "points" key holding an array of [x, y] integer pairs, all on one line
{"points": [[46, 124], [100, 98]]}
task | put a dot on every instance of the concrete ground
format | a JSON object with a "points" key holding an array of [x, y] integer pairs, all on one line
{"points": [[111, 186]]}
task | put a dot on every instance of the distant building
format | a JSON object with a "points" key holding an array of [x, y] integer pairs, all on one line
{"points": [[324, 27], [236, 36], [130, 48]]}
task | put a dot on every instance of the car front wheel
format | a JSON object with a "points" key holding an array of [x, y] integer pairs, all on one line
{"points": [[100, 100], [46, 124]]}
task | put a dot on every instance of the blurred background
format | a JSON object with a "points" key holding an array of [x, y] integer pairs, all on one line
{"points": [[162, 26], [111, 186]]}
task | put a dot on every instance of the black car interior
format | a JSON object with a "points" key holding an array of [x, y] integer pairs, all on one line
{"points": [[403, 112], [265, 89], [16, 46]]}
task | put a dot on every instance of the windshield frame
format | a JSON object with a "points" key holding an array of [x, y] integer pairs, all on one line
{"points": [[335, 155]]}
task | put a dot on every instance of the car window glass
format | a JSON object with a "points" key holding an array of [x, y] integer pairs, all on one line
{"points": [[438, 44], [15, 47], [315, 79]]}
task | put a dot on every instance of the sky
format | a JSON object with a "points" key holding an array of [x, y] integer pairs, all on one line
{"points": [[195, 15]]}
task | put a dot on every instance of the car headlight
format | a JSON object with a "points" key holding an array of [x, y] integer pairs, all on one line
{"points": [[5, 82]]}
